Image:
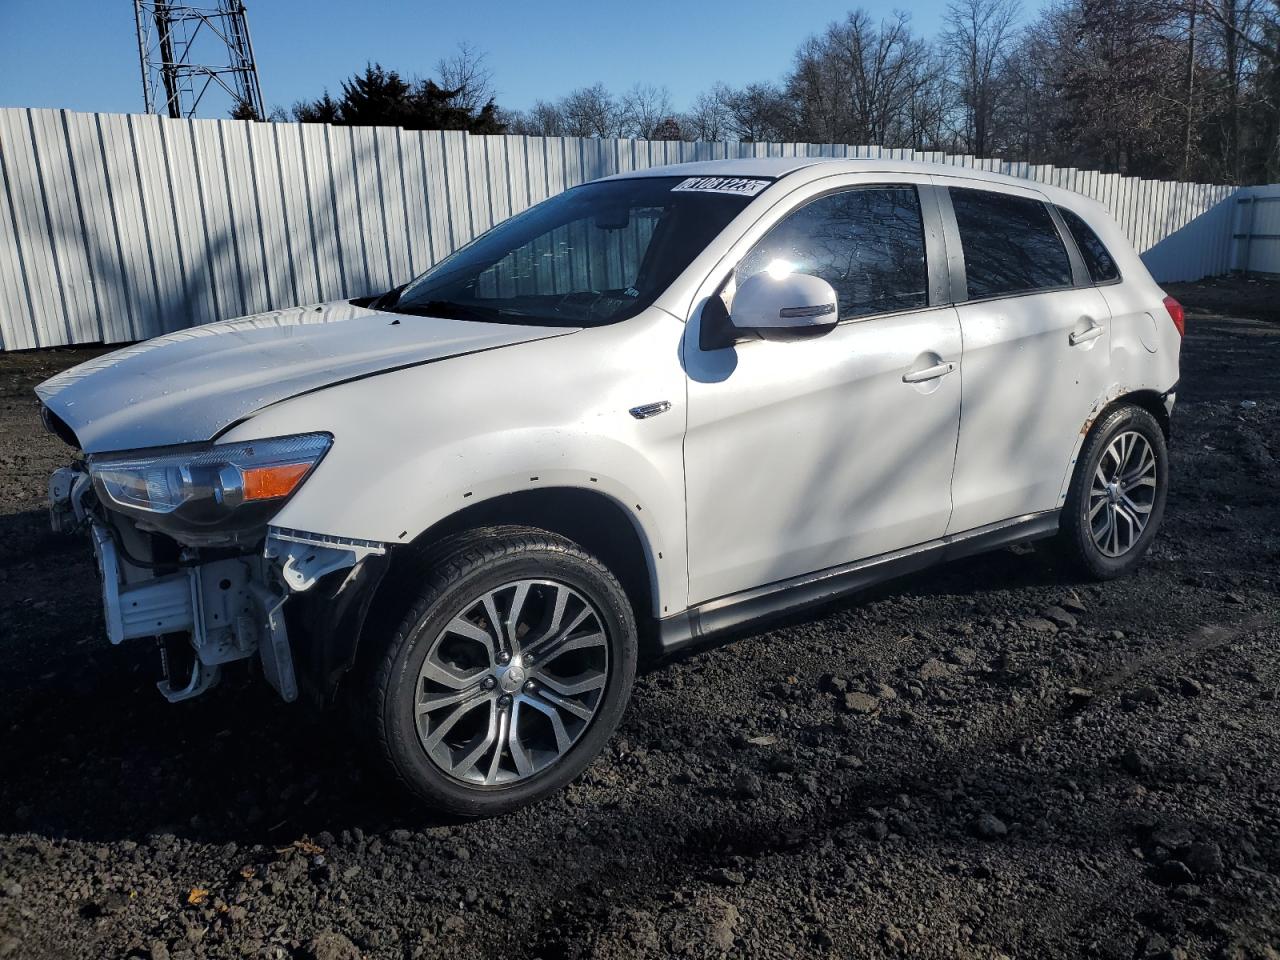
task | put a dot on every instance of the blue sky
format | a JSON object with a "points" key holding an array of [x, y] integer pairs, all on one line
{"points": [[81, 54]]}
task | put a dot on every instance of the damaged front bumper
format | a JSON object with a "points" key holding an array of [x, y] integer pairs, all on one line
{"points": [[215, 612]]}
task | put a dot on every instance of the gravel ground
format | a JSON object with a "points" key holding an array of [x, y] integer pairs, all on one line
{"points": [[989, 760]]}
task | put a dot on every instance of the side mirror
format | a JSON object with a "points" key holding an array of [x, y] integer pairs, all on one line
{"points": [[792, 307]]}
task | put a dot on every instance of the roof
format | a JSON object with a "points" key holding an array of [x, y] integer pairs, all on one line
{"points": [[824, 166]]}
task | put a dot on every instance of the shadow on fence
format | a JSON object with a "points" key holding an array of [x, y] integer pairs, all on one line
{"points": [[122, 227]]}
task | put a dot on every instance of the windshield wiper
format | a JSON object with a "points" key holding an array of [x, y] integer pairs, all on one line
{"points": [[385, 301], [445, 309]]}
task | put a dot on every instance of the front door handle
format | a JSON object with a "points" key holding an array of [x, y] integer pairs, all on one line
{"points": [[929, 373], [1084, 336]]}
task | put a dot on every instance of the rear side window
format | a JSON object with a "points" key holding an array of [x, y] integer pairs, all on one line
{"points": [[1102, 266], [1011, 244], [868, 243]]}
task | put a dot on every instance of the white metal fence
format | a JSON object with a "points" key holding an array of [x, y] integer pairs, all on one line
{"points": [[1256, 234], [120, 227]]}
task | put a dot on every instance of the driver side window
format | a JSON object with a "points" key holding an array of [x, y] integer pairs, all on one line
{"points": [[867, 242]]}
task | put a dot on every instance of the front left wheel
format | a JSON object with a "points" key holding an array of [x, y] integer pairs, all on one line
{"points": [[508, 674]]}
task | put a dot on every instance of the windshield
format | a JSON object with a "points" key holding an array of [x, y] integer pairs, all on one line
{"points": [[593, 255]]}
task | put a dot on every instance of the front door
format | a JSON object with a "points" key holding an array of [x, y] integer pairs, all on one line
{"points": [[805, 455]]}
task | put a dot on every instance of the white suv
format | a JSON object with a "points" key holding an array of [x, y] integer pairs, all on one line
{"points": [[655, 407]]}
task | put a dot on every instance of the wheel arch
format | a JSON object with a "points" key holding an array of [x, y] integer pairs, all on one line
{"points": [[1077, 539], [1150, 400], [592, 519], [595, 521]]}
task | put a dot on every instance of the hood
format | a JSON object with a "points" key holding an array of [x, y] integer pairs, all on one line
{"points": [[189, 386]]}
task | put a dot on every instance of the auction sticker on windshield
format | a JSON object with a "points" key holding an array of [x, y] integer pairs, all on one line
{"points": [[743, 186]]}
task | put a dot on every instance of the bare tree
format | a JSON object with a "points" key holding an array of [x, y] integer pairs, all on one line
{"points": [[643, 109], [854, 83], [467, 71], [1133, 86], [759, 111], [1032, 114], [1234, 39], [977, 32], [591, 112], [543, 119], [709, 117], [1124, 89], [930, 105]]}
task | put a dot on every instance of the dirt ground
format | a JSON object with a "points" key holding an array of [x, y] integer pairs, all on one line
{"points": [[1037, 767]]}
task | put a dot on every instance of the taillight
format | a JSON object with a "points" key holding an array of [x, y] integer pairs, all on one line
{"points": [[1177, 315]]}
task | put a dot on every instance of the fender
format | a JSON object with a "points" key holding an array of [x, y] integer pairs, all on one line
{"points": [[1145, 349], [1114, 394], [414, 447]]}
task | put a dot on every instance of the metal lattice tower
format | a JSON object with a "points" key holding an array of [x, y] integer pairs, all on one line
{"points": [[185, 49]]}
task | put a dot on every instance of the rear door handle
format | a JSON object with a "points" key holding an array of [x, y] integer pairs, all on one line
{"points": [[929, 373], [1084, 336]]}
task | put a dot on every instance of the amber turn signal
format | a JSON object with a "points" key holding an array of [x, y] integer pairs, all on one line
{"points": [[268, 483]]}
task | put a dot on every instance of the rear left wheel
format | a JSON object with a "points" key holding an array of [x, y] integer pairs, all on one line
{"points": [[1117, 494], [507, 675]]}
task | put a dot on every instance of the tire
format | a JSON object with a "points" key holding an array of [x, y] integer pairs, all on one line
{"points": [[1096, 531], [439, 689]]}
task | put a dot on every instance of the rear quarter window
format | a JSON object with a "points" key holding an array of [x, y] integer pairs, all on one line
{"points": [[1011, 244], [1102, 266]]}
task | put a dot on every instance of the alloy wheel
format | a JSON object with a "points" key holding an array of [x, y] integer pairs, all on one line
{"points": [[511, 682], [1122, 494]]}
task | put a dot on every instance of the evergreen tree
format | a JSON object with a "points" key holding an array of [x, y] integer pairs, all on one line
{"points": [[379, 97], [324, 110]]}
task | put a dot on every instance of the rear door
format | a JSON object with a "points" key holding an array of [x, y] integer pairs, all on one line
{"points": [[1036, 351]]}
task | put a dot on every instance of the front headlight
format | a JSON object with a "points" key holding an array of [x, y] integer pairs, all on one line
{"points": [[210, 492]]}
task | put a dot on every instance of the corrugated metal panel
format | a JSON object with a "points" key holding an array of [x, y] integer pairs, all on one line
{"points": [[295, 213], [137, 266], [27, 196], [245, 222], [1256, 230], [17, 325], [348, 220], [97, 220], [367, 194], [417, 212], [197, 300], [62, 209], [218, 258], [322, 211], [275, 244], [117, 228]]}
